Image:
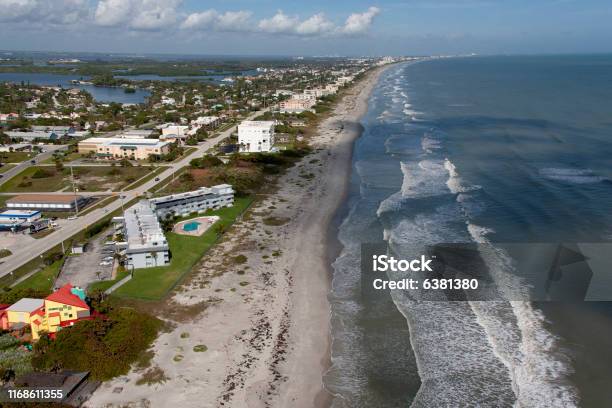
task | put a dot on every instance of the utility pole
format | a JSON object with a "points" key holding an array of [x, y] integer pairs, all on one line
{"points": [[76, 202]]}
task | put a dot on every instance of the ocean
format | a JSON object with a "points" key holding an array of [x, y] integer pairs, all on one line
{"points": [[488, 150]]}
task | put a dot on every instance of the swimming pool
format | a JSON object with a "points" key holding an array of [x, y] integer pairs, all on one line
{"points": [[191, 226]]}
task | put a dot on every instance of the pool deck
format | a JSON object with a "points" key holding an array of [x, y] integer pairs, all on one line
{"points": [[205, 224]]}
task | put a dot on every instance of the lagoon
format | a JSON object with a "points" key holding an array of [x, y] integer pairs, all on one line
{"points": [[99, 93]]}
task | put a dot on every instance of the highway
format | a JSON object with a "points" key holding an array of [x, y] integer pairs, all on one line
{"points": [[14, 261], [50, 149]]}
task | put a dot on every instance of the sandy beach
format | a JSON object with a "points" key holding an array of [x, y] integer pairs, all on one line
{"points": [[251, 326]]}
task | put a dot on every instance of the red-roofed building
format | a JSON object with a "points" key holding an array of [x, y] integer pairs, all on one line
{"points": [[62, 308], [4, 321]]}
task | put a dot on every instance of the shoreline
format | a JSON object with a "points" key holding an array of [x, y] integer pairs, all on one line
{"points": [[265, 321]]}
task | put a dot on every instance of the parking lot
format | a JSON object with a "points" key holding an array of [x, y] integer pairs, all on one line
{"points": [[94, 264]]}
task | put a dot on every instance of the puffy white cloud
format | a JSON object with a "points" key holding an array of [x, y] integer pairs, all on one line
{"points": [[203, 20], [212, 20], [359, 23], [279, 23], [113, 12], [315, 25], [137, 14], [233, 21], [43, 11]]}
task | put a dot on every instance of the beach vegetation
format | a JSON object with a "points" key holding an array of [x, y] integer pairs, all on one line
{"points": [[106, 346]]}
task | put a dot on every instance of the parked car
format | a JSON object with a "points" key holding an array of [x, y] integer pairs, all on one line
{"points": [[105, 263]]}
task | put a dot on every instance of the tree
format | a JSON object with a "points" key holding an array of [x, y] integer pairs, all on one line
{"points": [[59, 165]]}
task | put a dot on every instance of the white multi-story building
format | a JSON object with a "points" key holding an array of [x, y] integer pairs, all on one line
{"points": [[256, 136], [199, 201], [145, 243]]}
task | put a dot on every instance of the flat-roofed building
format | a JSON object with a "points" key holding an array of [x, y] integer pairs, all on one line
{"points": [[200, 200], [147, 246], [46, 202], [295, 105], [19, 216], [119, 148], [256, 136], [210, 122]]}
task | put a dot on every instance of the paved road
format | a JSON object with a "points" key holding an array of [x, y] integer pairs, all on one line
{"points": [[49, 150], [42, 245]]}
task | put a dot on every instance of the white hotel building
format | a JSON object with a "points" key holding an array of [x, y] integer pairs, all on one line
{"points": [[197, 201], [256, 136]]}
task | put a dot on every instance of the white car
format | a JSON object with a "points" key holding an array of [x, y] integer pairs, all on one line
{"points": [[73, 217], [108, 258], [105, 263]]}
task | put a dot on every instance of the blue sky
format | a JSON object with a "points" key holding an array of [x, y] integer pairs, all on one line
{"points": [[316, 27]]}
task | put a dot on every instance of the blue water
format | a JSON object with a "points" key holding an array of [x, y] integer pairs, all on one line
{"points": [[488, 150], [191, 226], [100, 94]]}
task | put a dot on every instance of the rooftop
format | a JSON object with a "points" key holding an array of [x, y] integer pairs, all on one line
{"points": [[66, 296], [43, 198], [199, 192], [142, 227], [26, 305], [257, 123], [18, 213]]}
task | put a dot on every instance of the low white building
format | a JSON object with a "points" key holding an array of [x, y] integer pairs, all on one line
{"points": [[208, 121], [19, 217], [256, 136], [199, 201], [145, 243]]}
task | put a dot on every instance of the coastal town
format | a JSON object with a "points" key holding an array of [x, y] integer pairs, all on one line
{"points": [[148, 205]]}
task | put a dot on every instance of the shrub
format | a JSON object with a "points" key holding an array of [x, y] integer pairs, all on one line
{"points": [[41, 173], [239, 259], [104, 346]]}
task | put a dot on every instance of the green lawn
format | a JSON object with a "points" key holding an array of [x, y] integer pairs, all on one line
{"points": [[88, 178], [15, 157], [103, 285], [42, 280], [3, 199], [6, 168], [186, 251]]}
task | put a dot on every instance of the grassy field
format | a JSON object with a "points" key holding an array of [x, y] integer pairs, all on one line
{"points": [[42, 280], [103, 285], [186, 251], [94, 178], [6, 168], [15, 157], [3, 199], [158, 170]]}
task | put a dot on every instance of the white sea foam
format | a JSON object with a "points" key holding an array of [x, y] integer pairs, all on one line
{"points": [[454, 183], [518, 336], [571, 175], [429, 144]]}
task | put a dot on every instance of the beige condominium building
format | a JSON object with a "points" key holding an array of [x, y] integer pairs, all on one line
{"points": [[118, 148]]}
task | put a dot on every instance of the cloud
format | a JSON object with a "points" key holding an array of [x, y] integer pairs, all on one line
{"points": [[54, 12], [137, 14], [166, 16], [315, 25], [279, 23], [359, 23], [212, 20]]}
